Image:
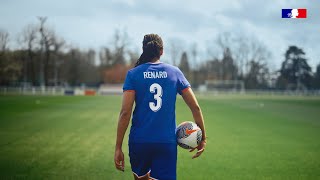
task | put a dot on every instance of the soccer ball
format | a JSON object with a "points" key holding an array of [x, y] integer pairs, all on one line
{"points": [[188, 135]]}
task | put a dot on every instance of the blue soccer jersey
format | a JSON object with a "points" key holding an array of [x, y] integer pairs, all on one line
{"points": [[156, 87]]}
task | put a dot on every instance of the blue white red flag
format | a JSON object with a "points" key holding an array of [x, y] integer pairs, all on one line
{"points": [[294, 13]]}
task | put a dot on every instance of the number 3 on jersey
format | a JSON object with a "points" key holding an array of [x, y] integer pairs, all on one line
{"points": [[157, 96]]}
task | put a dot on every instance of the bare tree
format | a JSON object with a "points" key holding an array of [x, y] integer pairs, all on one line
{"points": [[316, 80], [245, 50], [184, 65], [194, 53], [10, 63], [224, 41], [134, 56], [58, 44], [41, 72], [46, 48], [121, 42], [44, 53], [258, 75], [175, 49], [241, 54], [229, 69], [105, 57], [27, 39], [248, 50], [252, 56], [4, 40], [194, 65], [117, 52]]}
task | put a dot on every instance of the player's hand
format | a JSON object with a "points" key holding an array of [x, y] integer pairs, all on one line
{"points": [[200, 148], [119, 159]]}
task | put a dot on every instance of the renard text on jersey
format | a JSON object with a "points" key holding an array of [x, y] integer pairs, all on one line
{"points": [[155, 74]]}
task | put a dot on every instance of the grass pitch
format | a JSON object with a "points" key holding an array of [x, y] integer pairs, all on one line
{"points": [[250, 137]]}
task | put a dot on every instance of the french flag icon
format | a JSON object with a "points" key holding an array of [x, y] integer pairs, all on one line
{"points": [[294, 13]]}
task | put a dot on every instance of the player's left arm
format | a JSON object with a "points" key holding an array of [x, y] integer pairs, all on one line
{"points": [[191, 100], [124, 119]]}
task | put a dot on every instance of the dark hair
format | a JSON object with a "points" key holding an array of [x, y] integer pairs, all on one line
{"points": [[151, 45]]}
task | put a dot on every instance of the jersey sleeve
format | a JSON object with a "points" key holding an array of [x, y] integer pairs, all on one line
{"points": [[128, 83], [183, 83]]}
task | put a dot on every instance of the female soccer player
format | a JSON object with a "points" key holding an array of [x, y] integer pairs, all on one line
{"points": [[153, 86]]}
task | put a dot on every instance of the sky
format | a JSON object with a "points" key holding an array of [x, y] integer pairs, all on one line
{"points": [[92, 24]]}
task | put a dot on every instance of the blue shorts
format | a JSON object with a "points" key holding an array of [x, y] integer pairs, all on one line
{"points": [[160, 159]]}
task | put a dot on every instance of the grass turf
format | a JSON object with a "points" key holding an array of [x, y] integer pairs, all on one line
{"points": [[250, 137]]}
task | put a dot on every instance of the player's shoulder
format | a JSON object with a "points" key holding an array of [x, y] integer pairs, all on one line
{"points": [[171, 67], [135, 69]]}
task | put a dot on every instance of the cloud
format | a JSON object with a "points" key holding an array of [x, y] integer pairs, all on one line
{"points": [[92, 23]]}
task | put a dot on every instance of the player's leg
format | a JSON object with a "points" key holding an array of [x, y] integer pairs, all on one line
{"points": [[145, 177], [140, 160], [164, 161]]}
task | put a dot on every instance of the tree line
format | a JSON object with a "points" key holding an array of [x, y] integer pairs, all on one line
{"points": [[44, 58]]}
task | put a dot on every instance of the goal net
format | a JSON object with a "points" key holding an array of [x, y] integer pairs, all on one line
{"points": [[223, 86]]}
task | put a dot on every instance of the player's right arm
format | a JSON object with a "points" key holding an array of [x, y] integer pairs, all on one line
{"points": [[124, 119], [192, 102]]}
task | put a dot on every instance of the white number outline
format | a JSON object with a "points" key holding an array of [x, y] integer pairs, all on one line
{"points": [[157, 96]]}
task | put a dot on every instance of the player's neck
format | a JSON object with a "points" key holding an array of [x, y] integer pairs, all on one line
{"points": [[156, 61]]}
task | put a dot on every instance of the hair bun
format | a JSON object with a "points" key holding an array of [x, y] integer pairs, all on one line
{"points": [[151, 43]]}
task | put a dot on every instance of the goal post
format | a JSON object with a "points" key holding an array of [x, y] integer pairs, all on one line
{"points": [[223, 86]]}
